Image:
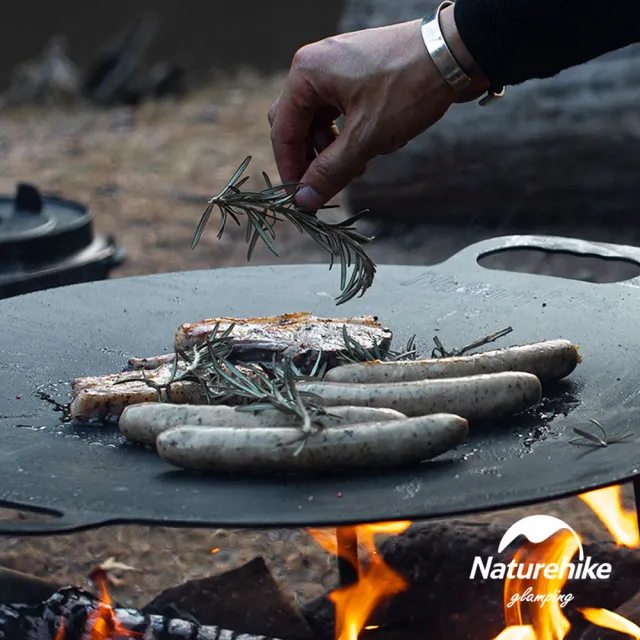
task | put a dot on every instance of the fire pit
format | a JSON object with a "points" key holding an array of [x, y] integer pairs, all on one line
{"points": [[527, 461], [427, 581]]}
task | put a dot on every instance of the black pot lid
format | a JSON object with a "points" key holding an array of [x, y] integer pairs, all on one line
{"points": [[37, 230]]}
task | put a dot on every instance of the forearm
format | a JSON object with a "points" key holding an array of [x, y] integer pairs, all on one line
{"points": [[512, 41]]}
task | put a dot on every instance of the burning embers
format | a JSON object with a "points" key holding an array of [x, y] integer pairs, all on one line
{"points": [[73, 614]]}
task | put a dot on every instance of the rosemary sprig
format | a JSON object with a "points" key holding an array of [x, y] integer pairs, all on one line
{"points": [[593, 439], [262, 209], [440, 352], [197, 367], [252, 387], [357, 352]]}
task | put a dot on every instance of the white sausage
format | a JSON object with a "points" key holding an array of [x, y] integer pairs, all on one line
{"points": [[481, 397], [548, 360], [267, 449], [143, 423]]}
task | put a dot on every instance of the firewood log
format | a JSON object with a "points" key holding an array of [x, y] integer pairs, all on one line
{"points": [[76, 610]]}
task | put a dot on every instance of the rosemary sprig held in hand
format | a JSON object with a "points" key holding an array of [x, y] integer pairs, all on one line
{"points": [[262, 209]]}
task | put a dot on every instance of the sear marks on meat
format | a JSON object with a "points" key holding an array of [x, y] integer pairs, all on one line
{"points": [[99, 397], [299, 336]]}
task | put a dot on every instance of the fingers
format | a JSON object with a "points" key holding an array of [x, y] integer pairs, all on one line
{"points": [[327, 166], [322, 135], [302, 125], [311, 152], [331, 172], [307, 146], [291, 123], [272, 110]]}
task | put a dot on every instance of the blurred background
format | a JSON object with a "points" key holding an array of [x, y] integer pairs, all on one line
{"points": [[225, 35], [140, 111]]}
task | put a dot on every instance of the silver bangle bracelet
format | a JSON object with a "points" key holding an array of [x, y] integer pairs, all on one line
{"points": [[444, 60]]}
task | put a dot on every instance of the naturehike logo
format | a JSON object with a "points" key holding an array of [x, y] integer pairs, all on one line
{"points": [[537, 529]]}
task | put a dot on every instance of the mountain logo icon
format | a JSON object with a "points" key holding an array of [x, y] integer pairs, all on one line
{"points": [[537, 529]]}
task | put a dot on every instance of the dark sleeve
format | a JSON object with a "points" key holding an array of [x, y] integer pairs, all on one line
{"points": [[516, 40]]}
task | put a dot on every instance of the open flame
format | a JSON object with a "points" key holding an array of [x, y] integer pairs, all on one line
{"points": [[533, 598], [523, 632], [61, 635], [547, 620], [530, 584], [104, 625], [607, 505], [376, 581], [611, 620], [542, 593]]}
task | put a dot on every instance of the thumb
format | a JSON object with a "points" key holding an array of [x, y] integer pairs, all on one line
{"points": [[330, 172]]}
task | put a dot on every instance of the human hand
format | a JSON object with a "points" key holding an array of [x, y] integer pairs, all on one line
{"points": [[388, 89]]}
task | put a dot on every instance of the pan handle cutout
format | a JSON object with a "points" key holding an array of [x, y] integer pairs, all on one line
{"points": [[556, 256], [54, 523]]}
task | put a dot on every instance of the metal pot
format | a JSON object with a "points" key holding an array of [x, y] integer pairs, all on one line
{"points": [[48, 242]]}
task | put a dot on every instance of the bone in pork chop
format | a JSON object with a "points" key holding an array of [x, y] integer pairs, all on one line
{"points": [[299, 336], [100, 397]]}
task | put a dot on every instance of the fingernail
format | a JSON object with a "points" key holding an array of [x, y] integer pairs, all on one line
{"points": [[309, 199]]}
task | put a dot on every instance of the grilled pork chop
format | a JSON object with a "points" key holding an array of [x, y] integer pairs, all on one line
{"points": [[99, 397], [299, 336]]}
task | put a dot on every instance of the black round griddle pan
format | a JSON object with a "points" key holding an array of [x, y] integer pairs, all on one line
{"points": [[91, 476]]}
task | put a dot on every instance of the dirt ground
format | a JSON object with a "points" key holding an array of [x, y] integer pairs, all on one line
{"points": [[147, 175]]}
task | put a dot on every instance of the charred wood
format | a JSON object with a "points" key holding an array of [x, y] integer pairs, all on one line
{"points": [[76, 611], [247, 599], [21, 587]]}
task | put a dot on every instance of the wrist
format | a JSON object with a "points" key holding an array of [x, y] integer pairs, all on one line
{"points": [[479, 82], [450, 55]]}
